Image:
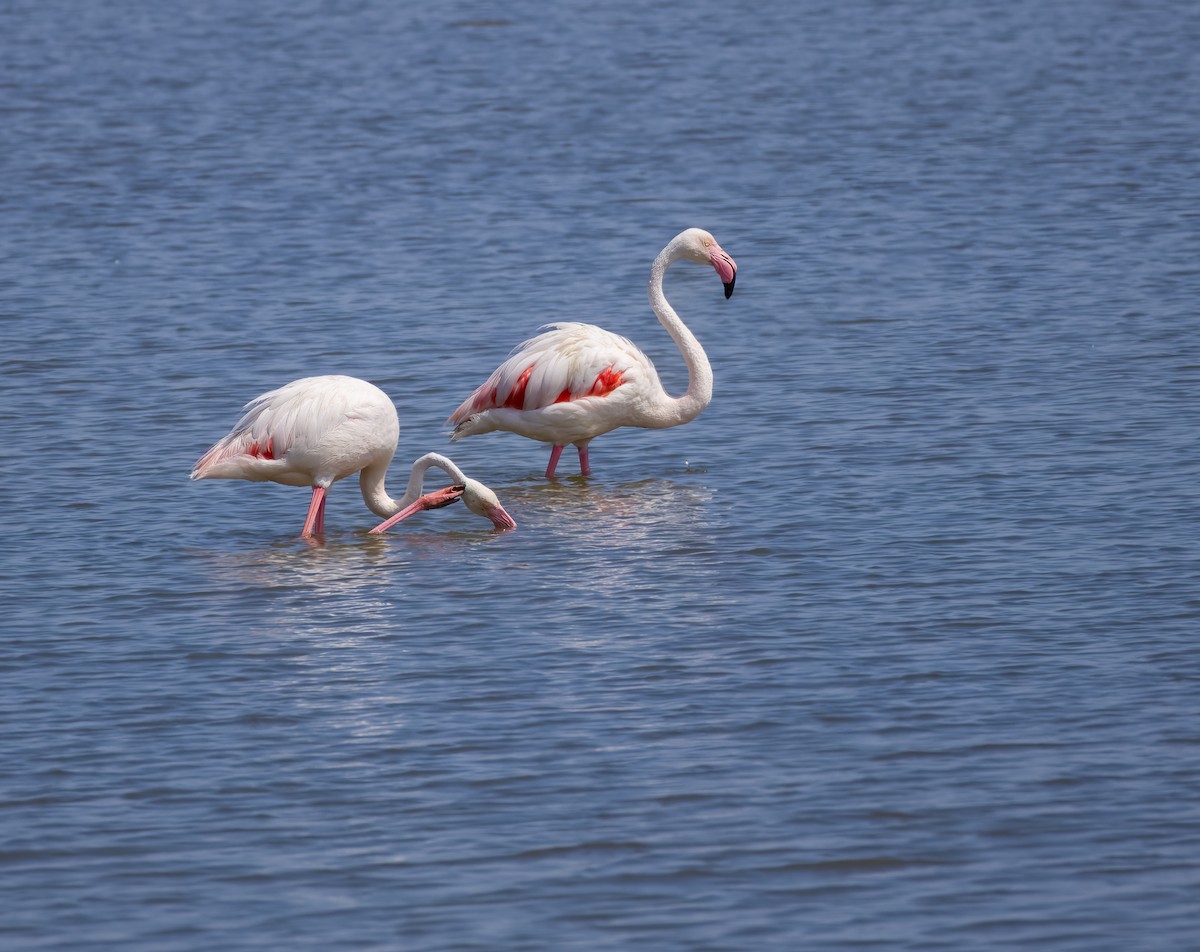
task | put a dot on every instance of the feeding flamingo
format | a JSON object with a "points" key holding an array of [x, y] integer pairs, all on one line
{"points": [[575, 381], [314, 431]]}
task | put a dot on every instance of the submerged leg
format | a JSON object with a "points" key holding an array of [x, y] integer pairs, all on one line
{"points": [[320, 526], [316, 513], [584, 468], [555, 453]]}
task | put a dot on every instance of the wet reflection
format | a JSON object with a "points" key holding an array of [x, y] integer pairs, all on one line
{"points": [[635, 508], [620, 538], [334, 583], [575, 537], [328, 562]]}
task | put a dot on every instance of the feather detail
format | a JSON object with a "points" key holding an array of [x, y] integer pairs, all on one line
{"points": [[566, 362], [315, 417]]}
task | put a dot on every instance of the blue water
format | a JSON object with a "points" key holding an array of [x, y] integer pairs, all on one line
{"points": [[894, 647]]}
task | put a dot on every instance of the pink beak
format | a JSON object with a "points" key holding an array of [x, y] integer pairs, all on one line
{"points": [[500, 518], [433, 500], [726, 267]]}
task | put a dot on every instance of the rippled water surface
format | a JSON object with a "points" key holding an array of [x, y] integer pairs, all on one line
{"points": [[894, 647]]}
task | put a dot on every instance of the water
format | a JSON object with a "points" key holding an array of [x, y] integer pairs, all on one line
{"points": [[893, 647]]}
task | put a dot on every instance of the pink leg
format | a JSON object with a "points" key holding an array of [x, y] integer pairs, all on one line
{"points": [[316, 513], [320, 526], [584, 468], [554, 455]]}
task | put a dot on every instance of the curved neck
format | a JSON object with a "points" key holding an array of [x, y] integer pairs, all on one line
{"points": [[675, 410], [371, 482]]}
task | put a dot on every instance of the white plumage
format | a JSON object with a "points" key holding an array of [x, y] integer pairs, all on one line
{"points": [[317, 430], [573, 382]]}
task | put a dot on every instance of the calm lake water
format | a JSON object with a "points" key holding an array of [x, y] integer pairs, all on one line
{"points": [[894, 647]]}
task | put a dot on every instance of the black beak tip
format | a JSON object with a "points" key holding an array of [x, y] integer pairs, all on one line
{"points": [[729, 287]]}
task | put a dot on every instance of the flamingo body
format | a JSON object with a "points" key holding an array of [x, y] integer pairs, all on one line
{"points": [[317, 430], [574, 382], [310, 432], [570, 383]]}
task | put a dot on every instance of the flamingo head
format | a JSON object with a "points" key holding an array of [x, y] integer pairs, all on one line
{"points": [[476, 496], [483, 502], [700, 246]]}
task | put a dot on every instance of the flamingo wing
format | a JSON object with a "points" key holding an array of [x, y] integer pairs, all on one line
{"points": [[565, 363]]}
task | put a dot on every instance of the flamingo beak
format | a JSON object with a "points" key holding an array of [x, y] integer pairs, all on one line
{"points": [[726, 267], [500, 518], [433, 500]]}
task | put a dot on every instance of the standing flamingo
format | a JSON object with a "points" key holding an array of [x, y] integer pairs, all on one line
{"points": [[575, 381], [314, 431]]}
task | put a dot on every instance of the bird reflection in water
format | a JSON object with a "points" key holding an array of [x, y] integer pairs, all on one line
{"points": [[610, 538], [616, 531], [339, 587]]}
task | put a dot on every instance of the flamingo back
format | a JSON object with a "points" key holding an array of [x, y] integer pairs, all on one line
{"points": [[565, 363], [315, 429]]}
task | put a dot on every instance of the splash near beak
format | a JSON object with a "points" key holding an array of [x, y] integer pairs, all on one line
{"points": [[433, 500], [726, 267]]}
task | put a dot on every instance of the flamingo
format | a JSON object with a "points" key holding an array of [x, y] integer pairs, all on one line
{"points": [[573, 382], [316, 430]]}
